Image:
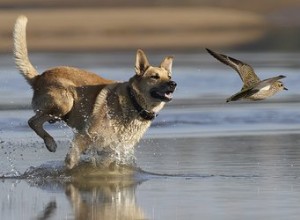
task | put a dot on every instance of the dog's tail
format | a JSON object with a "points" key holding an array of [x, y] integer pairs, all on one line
{"points": [[20, 50]]}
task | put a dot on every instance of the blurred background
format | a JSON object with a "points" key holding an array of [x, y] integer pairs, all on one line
{"points": [[245, 155], [190, 25]]}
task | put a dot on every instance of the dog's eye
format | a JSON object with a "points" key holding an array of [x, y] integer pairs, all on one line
{"points": [[156, 76]]}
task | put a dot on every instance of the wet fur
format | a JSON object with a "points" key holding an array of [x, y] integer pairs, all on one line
{"points": [[100, 110]]}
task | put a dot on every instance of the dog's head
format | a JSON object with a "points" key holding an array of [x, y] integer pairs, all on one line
{"points": [[154, 84]]}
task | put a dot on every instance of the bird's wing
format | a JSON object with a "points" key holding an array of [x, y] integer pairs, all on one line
{"points": [[242, 94], [244, 70], [254, 89], [267, 82]]}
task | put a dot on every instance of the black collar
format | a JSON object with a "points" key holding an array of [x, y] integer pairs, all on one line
{"points": [[146, 115]]}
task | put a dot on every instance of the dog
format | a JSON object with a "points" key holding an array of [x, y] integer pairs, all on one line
{"points": [[107, 115]]}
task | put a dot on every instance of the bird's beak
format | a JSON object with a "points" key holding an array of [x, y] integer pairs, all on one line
{"points": [[285, 88]]}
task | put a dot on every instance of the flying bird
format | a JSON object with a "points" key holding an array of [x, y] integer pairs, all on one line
{"points": [[253, 88]]}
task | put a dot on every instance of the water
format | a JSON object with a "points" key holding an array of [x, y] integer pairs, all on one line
{"points": [[201, 159]]}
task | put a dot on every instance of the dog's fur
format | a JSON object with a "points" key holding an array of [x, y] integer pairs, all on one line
{"points": [[107, 115]]}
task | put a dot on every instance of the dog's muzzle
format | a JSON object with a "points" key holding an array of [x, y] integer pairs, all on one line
{"points": [[164, 92]]}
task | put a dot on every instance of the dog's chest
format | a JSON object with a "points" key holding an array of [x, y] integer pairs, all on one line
{"points": [[115, 121], [129, 132]]}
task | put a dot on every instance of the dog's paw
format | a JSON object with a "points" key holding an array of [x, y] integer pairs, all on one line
{"points": [[50, 144]]}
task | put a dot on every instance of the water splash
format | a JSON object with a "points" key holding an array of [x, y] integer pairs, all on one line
{"points": [[115, 155], [10, 158], [11, 174], [84, 171]]}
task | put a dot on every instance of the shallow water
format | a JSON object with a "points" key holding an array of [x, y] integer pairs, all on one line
{"points": [[201, 159]]}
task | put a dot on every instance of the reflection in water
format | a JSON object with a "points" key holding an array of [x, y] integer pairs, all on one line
{"points": [[93, 193], [48, 211], [104, 200]]}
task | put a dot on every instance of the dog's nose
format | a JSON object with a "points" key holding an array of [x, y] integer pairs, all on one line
{"points": [[172, 84]]}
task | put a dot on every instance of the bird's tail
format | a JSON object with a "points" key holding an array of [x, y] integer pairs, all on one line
{"points": [[20, 50]]}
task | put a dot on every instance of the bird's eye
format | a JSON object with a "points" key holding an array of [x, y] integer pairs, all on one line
{"points": [[156, 76]]}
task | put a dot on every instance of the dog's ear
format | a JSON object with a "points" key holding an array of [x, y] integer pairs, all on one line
{"points": [[167, 63], [141, 63]]}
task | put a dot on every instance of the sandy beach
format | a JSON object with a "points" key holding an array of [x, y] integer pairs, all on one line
{"points": [[158, 25], [128, 28]]}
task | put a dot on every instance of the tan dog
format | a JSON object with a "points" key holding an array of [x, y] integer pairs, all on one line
{"points": [[107, 115]]}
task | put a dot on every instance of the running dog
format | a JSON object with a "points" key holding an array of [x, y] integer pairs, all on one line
{"points": [[107, 115]]}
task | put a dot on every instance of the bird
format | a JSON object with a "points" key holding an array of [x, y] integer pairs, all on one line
{"points": [[253, 88]]}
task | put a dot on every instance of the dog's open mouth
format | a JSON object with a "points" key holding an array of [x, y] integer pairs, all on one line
{"points": [[163, 96]]}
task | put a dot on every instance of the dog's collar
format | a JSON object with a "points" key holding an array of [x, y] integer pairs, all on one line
{"points": [[143, 113]]}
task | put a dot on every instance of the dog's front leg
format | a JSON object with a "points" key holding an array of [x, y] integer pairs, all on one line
{"points": [[36, 123], [80, 143]]}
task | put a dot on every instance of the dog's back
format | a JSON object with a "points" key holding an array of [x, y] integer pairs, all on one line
{"points": [[71, 91], [57, 90]]}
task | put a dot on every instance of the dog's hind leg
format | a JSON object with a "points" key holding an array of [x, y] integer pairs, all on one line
{"points": [[36, 123]]}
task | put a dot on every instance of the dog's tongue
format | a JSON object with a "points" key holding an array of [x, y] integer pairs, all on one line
{"points": [[169, 95]]}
